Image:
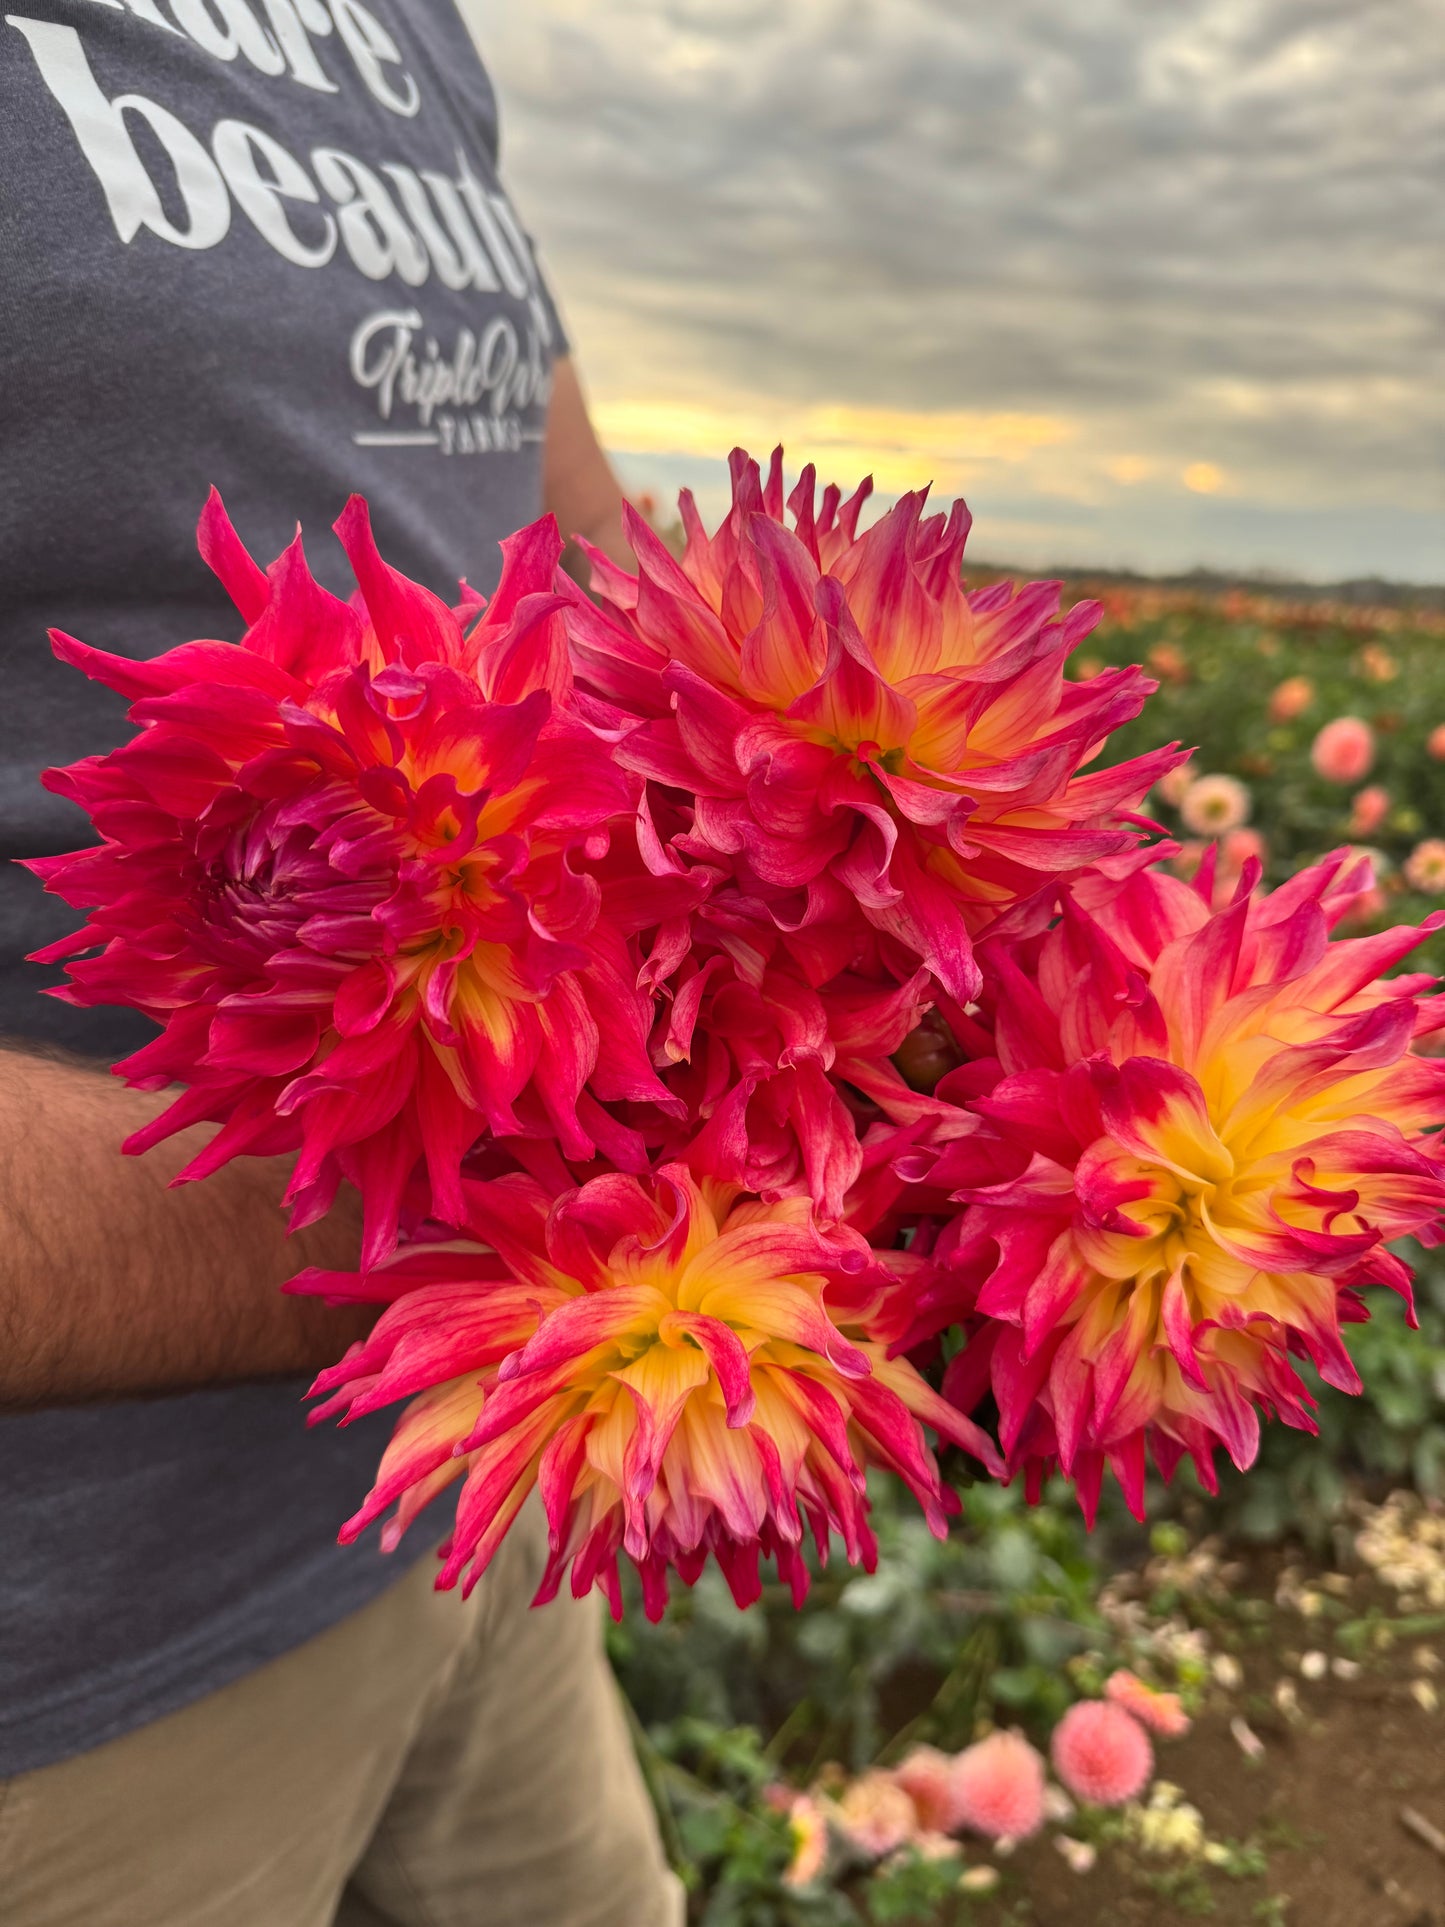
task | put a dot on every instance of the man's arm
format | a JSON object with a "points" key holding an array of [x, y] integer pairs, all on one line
{"points": [[578, 484], [111, 1284]]}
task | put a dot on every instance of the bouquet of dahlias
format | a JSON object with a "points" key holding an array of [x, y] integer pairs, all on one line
{"points": [[759, 1029]]}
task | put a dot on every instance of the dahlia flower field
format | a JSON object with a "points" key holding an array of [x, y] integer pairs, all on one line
{"points": [[771, 1034]]}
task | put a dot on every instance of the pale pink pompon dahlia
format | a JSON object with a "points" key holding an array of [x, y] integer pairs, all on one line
{"points": [[852, 727], [998, 1787], [1200, 1132], [1101, 1753], [680, 1370], [345, 867]]}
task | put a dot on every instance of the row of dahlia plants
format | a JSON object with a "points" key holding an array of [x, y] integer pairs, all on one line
{"points": [[761, 1028]]}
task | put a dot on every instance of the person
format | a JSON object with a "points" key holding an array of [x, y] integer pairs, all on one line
{"points": [[260, 244]]}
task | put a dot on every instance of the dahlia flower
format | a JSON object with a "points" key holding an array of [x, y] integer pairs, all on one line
{"points": [[1160, 1712], [680, 1369], [756, 1030], [343, 867], [1369, 810], [1424, 867], [998, 1787], [1344, 750], [1290, 699], [808, 1831], [1101, 1753], [849, 723], [1200, 1132], [1214, 804], [926, 1775], [876, 1814]]}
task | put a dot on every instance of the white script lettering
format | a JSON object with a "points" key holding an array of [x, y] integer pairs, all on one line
{"points": [[100, 127]]}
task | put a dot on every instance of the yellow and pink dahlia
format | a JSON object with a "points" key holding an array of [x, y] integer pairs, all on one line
{"points": [[849, 726], [1198, 1131], [345, 867], [680, 1369]]}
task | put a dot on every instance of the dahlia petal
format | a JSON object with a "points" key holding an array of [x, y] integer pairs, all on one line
{"points": [[227, 557], [412, 625]]}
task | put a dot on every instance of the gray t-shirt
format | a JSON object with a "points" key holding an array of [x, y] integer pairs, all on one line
{"points": [[261, 244]]}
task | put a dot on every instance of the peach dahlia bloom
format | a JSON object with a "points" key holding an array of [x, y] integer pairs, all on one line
{"points": [[852, 726], [1290, 698], [680, 1370], [876, 1814], [1160, 1712], [1424, 868], [1344, 750], [1213, 805], [926, 1776], [998, 1787]]}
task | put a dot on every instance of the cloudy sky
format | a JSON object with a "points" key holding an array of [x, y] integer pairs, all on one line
{"points": [[1151, 282]]}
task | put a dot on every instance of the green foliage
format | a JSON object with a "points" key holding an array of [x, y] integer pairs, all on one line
{"points": [[911, 1888], [976, 1626]]}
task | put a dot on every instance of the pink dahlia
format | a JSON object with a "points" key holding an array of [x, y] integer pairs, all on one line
{"points": [[680, 1369], [756, 1033], [345, 868], [1369, 810], [1102, 1754], [1201, 1131], [849, 724], [1344, 750], [998, 1787]]}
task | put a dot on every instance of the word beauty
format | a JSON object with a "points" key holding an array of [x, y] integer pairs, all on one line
{"points": [[413, 223]]}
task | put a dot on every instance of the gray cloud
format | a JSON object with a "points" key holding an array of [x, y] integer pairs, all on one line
{"points": [[1206, 231]]}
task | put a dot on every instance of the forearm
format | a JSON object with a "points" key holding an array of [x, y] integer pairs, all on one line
{"points": [[578, 482], [112, 1284]]}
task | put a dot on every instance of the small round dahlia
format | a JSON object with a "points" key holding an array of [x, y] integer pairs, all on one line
{"points": [[998, 1787], [876, 1814], [1101, 1753], [1369, 810], [1425, 867], [926, 1776], [1344, 750], [1291, 698], [1215, 804]]}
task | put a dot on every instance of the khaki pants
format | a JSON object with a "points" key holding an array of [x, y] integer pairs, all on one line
{"points": [[426, 1763]]}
